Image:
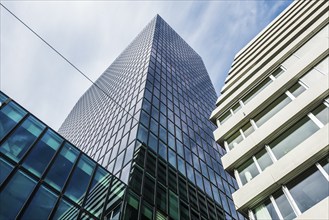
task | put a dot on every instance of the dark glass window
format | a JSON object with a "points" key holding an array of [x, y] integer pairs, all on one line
{"points": [[5, 169], [62, 166], [22, 138], [42, 153], [65, 210], [41, 205], [80, 179], [322, 113], [173, 205], [13, 197], [10, 115]]}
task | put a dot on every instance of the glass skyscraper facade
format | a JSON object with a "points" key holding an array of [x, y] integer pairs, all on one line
{"points": [[146, 121], [43, 176]]}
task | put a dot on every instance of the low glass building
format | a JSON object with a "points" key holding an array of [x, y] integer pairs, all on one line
{"points": [[44, 176]]}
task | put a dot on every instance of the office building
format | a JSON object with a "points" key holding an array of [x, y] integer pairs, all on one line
{"points": [[146, 121], [272, 117], [44, 176]]}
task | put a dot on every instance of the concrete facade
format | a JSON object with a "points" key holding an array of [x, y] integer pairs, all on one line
{"points": [[272, 117]]}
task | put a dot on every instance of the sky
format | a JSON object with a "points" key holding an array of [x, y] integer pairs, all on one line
{"points": [[91, 34]]}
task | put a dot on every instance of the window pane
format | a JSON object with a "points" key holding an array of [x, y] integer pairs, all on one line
{"points": [[295, 135], [10, 115], [284, 206], [161, 200], [309, 188], [5, 169], [224, 117], [265, 211], [173, 205], [256, 90], [13, 197], [62, 166], [146, 212], [271, 110], [276, 73], [247, 129], [3, 98], [325, 164], [42, 152], [65, 210], [97, 192], [41, 204], [80, 179], [234, 140], [297, 89], [263, 159], [322, 113], [247, 171], [18, 143]]}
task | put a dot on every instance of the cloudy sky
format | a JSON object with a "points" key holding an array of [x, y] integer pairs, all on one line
{"points": [[91, 34]]}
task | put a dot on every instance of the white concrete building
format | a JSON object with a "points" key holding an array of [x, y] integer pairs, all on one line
{"points": [[272, 117]]}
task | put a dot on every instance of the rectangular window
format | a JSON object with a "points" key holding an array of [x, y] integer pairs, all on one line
{"points": [[234, 140], [247, 171], [322, 113], [271, 109], [263, 159], [296, 89], [295, 135], [265, 210], [224, 117], [284, 206], [260, 87]]}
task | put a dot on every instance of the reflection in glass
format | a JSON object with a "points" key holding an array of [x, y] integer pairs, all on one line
{"points": [[309, 188], [263, 159], [42, 153], [62, 166], [322, 113], [271, 110], [284, 206], [13, 196], [10, 115], [18, 143], [295, 135], [265, 211], [5, 169], [233, 140], [79, 180], [65, 210], [41, 205], [247, 171]]}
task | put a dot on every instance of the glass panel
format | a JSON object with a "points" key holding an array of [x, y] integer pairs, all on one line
{"points": [[62, 166], [146, 212], [271, 110], [42, 152], [65, 210], [309, 188], [3, 98], [10, 115], [263, 159], [13, 197], [97, 193], [247, 129], [172, 157], [325, 164], [265, 211], [247, 171], [18, 143], [256, 90], [161, 200], [131, 211], [41, 205], [224, 117], [5, 169], [80, 179], [292, 137], [236, 107], [233, 140], [173, 205], [297, 89], [276, 73], [322, 113], [284, 206]]}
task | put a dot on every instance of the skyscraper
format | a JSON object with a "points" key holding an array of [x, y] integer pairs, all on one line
{"points": [[273, 115], [146, 120]]}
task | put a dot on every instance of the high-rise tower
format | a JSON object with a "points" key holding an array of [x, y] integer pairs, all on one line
{"points": [[146, 121], [273, 116]]}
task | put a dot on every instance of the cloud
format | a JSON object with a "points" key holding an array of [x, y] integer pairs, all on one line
{"points": [[92, 34]]}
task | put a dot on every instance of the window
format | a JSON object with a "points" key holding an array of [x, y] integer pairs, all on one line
{"points": [[65, 210], [272, 109], [296, 89], [42, 153], [265, 211], [10, 115], [322, 113], [309, 189], [233, 140], [22, 138], [284, 206], [5, 169], [295, 135], [263, 159], [247, 171]]}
